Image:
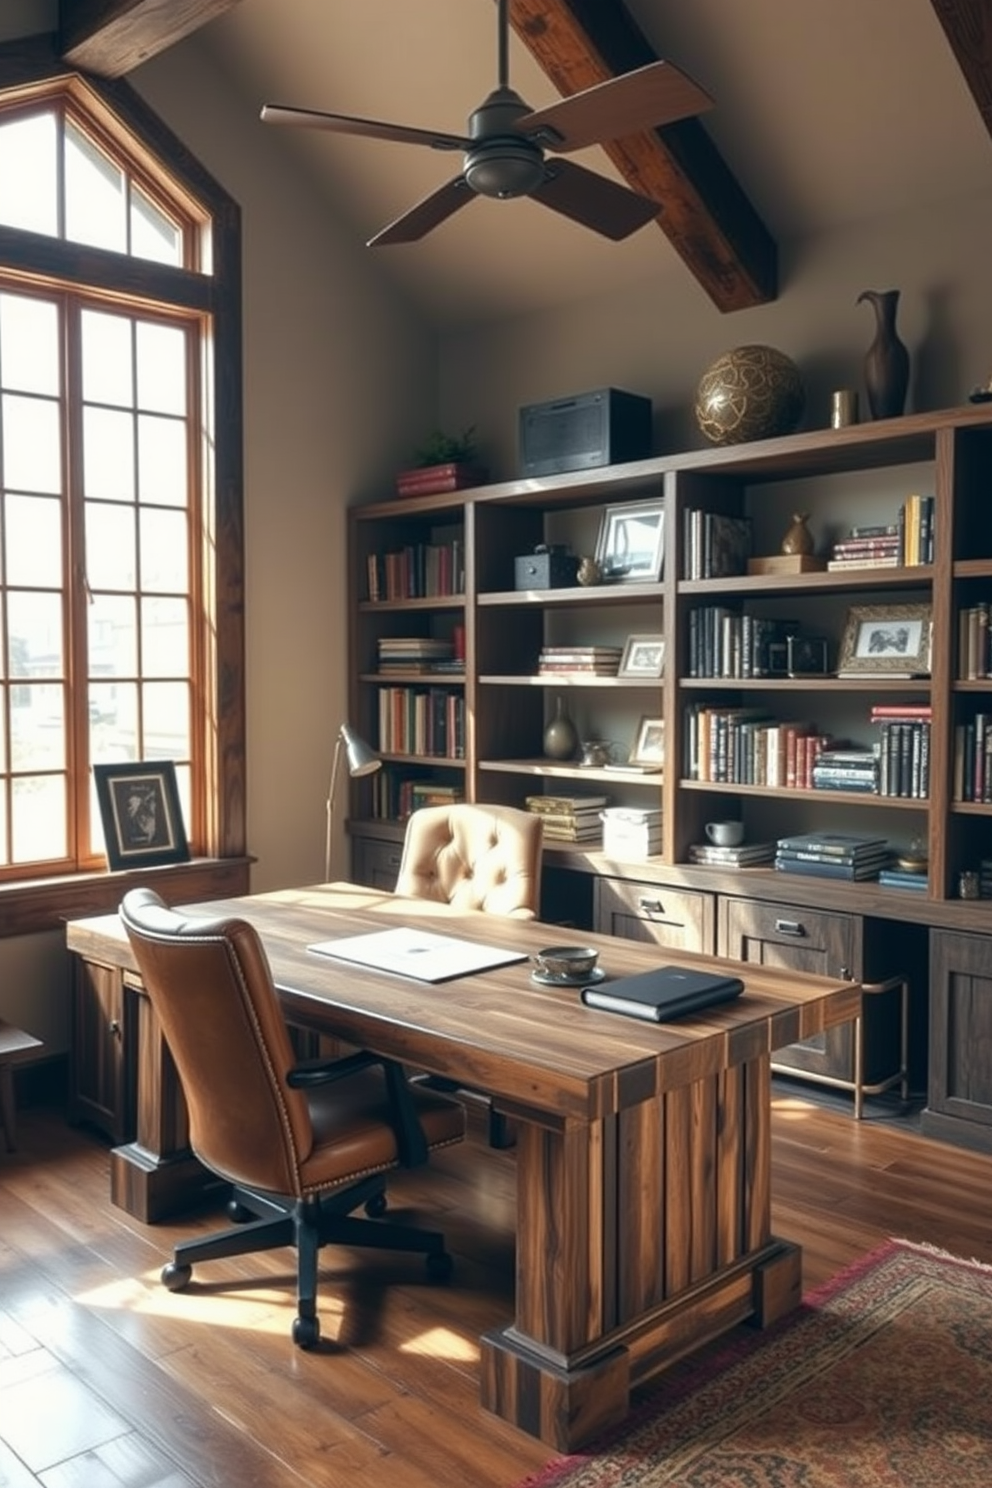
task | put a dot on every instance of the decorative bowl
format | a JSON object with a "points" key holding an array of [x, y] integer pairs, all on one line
{"points": [[752, 392], [566, 961]]}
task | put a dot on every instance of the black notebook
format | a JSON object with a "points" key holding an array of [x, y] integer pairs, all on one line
{"points": [[664, 993]]}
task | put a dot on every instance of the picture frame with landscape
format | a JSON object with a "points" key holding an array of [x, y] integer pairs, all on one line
{"points": [[631, 543], [141, 814], [643, 656], [886, 640], [648, 751]]}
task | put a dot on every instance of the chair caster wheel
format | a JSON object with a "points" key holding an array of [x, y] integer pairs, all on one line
{"points": [[237, 1213], [376, 1207], [439, 1265], [306, 1332], [175, 1277]]}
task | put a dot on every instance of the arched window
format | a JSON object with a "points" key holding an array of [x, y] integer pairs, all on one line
{"points": [[121, 635]]}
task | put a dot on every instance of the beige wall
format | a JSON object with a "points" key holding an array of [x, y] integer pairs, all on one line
{"points": [[657, 338]]}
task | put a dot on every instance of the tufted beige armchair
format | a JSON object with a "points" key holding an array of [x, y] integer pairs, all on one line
{"points": [[475, 858]]}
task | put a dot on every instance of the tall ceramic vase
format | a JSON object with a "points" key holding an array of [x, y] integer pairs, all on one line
{"points": [[561, 737], [886, 360]]}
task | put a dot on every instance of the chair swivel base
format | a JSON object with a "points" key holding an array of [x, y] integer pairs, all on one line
{"points": [[308, 1225]]}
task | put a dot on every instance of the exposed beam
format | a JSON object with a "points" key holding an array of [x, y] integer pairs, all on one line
{"points": [[110, 37], [705, 213], [968, 27]]}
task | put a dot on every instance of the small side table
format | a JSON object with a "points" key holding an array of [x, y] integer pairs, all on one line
{"points": [[13, 1042]]}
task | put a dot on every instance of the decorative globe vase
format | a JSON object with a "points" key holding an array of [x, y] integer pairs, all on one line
{"points": [[561, 737], [752, 392]]}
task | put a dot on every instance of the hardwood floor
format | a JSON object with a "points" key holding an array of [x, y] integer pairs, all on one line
{"points": [[109, 1381]]}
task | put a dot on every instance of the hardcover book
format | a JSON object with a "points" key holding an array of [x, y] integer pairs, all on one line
{"points": [[664, 993]]}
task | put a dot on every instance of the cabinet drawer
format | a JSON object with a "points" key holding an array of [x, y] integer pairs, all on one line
{"points": [[681, 918], [375, 862], [801, 939]]}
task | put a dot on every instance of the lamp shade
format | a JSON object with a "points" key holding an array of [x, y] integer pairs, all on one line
{"points": [[362, 758]]}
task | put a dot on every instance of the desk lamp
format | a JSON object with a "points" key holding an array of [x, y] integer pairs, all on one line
{"points": [[362, 760]]}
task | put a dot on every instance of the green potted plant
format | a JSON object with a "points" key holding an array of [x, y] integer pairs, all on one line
{"points": [[444, 462]]}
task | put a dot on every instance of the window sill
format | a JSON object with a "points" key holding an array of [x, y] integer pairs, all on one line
{"points": [[29, 908]]}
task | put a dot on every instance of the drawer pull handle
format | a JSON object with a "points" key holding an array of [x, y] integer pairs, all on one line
{"points": [[393, 860], [789, 927], [651, 906]]}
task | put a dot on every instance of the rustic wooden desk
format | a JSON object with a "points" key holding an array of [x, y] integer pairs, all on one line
{"points": [[643, 1151]]}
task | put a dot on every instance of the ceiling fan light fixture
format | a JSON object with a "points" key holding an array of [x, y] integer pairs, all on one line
{"points": [[504, 168]]}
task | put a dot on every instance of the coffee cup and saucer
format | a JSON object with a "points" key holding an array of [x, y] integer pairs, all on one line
{"points": [[566, 966]]}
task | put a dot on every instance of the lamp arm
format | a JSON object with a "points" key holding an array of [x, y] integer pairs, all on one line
{"points": [[330, 807]]}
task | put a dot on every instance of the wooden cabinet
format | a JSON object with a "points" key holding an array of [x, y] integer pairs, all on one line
{"points": [[679, 918], [375, 859], [103, 1050], [959, 1104]]}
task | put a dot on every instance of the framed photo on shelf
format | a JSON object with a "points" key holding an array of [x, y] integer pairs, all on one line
{"points": [[643, 656], [631, 543], [649, 744], [885, 641], [141, 815]]}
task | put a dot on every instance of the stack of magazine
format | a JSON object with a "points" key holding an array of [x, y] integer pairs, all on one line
{"points": [[569, 818], [747, 855], [832, 855]]}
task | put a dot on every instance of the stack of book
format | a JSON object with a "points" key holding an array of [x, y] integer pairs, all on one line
{"points": [[631, 833], [985, 878], [414, 655], [972, 759], [569, 818], [904, 749], [832, 855], [715, 546], [846, 770], [868, 547], [596, 661], [747, 855], [975, 642]]}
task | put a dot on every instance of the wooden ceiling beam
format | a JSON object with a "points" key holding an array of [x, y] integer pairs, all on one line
{"points": [[968, 27], [111, 37], [705, 215]]}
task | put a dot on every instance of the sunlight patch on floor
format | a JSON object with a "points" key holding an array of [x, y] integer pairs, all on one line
{"points": [[790, 1109], [442, 1343], [262, 1309]]}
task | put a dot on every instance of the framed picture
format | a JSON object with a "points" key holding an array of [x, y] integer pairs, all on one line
{"points": [[886, 640], [806, 656], [142, 818], [631, 543], [643, 656], [649, 744]]}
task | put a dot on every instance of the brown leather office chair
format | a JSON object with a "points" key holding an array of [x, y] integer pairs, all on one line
{"points": [[474, 857], [303, 1144]]}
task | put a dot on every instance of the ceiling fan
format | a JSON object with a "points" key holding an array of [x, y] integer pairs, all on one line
{"points": [[504, 150]]}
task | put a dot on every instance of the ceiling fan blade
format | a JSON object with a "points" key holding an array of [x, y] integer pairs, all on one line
{"points": [[653, 95], [276, 113], [427, 214], [593, 200]]}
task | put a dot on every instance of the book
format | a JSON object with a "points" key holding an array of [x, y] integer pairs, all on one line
{"points": [[565, 805], [839, 843], [800, 855], [747, 855], [828, 869], [896, 878], [663, 993]]}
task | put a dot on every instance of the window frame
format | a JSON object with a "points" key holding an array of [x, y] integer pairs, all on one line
{"points": [[165, 168]]}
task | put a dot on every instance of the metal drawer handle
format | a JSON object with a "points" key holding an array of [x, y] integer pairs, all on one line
{"points": [[393, 861], [789, 927], [651, 906]]}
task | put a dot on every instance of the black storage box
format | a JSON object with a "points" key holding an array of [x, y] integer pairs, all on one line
{"points": [[605, 427], [545, 568]]}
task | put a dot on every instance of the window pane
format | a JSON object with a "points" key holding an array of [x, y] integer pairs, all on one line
{"points": [[164, 563], [38, 818], [37, 727], [112, 636], [32, 444], [29, 345], [108, 454], [107, 359], [161, 356], [34, 541], [113, 740], [111, 546], [95, 198], [166, 720], [4, 860], [161, 461], [35, 622], [164, 638], [153, 235], [28, 174]]}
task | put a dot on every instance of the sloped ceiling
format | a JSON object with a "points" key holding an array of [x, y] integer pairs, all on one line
{"points": [[825, 115]]}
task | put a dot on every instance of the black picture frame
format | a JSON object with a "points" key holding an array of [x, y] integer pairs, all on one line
{"points": [[141, 815]]}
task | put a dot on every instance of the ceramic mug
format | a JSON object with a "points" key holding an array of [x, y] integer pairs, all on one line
{"points": [[725, 833]]}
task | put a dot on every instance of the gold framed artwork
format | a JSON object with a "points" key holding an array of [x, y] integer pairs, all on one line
{"points": [[885, 640]]}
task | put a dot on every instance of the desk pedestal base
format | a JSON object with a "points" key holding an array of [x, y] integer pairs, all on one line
{"points": [[153, 1187], [567, 1402]]}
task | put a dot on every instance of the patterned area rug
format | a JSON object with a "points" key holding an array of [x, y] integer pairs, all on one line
{"points": [[881, 1379]]}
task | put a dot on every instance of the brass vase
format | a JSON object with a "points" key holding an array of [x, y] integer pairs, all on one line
{"points": [[886, 360]]}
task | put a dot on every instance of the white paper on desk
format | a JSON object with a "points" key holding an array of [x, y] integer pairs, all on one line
{"points": [[417, 953]]}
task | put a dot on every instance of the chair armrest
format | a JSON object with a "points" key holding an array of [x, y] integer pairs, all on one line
{"points": [[411, 1144], [313, 1072]]}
